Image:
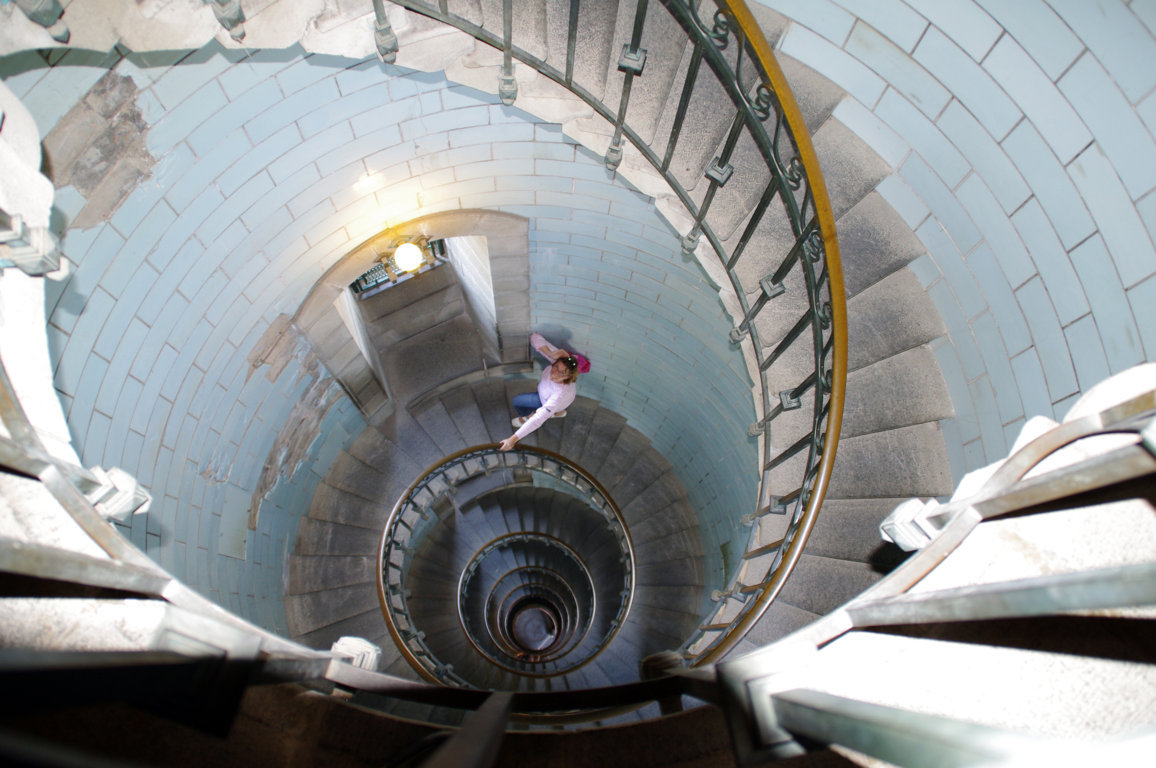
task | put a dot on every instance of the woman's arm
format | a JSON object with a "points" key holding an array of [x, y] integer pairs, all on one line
{"points": [[545, 348], [557, 401]]}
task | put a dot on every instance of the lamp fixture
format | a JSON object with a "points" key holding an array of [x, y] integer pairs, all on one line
{"points": [[408, 257]]}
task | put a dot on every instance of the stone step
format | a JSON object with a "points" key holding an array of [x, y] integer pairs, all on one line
{"points": [[907, 461], [335, 505], [1065, 694], [848, 529], [898, 391], [874, 242], [780, 619], [312, 611], [439, 425], [851, 169], [28, 512], [822, 584], [494, 406], [889, 317]]}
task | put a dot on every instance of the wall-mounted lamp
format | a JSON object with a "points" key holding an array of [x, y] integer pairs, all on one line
{"points": [[393, 266], [408, 257]]}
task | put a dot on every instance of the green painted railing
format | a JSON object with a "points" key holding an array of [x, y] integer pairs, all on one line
{"points": [[763, 216]]}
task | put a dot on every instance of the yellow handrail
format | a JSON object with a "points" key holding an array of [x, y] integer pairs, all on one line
{"points": [[761, 49]]}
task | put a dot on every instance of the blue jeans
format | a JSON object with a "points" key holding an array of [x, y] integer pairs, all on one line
{"points": [[526, 403]]}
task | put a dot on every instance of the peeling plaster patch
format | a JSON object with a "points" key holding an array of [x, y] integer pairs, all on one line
{"points": [[99, 148], [282, 344]]}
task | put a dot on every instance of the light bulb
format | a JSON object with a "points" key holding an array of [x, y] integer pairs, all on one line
{"points": [[407, 257]]}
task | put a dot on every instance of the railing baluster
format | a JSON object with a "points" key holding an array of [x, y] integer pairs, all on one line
{"points": [[683, 105], [802, 324], [797, 446], [718, 174], [572, 41], [507, 85], [772, 285], [773, 188], [631, 64]]}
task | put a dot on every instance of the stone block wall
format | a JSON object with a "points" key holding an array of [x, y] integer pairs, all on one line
{"points": [[1021, 138]]}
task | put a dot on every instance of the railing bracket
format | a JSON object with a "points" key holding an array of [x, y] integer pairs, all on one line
{"points": [[737, 334], [508, 90], [690, 244], [772, 289], [788, 402], [719, 172], [632, 61]]}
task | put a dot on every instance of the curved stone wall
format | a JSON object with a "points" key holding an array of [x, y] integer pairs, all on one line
{"points": [[201, 196], [1021, 138]]}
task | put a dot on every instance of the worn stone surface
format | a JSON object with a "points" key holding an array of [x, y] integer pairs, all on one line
{"points": [[99, 148]]}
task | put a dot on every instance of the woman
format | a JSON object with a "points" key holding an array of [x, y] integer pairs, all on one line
{"points": [[556, 390]]}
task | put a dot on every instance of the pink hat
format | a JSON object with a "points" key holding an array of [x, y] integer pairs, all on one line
{"points": [[583, 363]]}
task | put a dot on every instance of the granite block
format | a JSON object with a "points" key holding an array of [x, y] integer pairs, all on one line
{"points": [[1000, 378], [967, 82], [1051, 184], [989, 160], [834, 63], [947, 210], [1142, 297], [1051, 346], [1039, 31], [1121, 339], [1088, 352], [1124, 139], [1116, 217], [902, 74], [1040, 100], [998, 292], [1118, 42], [1032, 383], [1052, 262]]}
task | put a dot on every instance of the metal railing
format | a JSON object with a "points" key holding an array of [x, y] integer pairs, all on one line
{"points": [[416, 513], [765, 154], [772, 722], [492, 637]]}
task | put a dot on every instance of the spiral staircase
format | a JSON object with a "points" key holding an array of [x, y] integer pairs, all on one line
{"points": [[500, 526]]}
